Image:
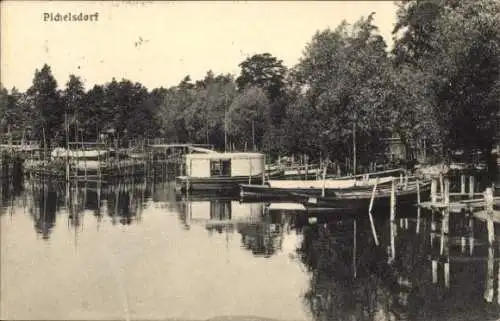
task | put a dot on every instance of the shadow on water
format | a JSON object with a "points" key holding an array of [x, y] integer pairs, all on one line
{"points": [[421, 273], [353, 279], [123, 202], [11, 184]]}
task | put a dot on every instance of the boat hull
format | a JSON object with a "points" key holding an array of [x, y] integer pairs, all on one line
{"points": [[267, 192], [352, 201], [184, 184]]}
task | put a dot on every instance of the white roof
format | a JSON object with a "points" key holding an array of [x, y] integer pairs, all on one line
{"points": [[224, 155]]}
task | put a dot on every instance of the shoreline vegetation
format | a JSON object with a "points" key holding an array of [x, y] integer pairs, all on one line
{"points": [[436, 92]]}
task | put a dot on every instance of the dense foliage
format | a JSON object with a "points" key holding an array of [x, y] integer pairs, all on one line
{"points": [[440, 83]]}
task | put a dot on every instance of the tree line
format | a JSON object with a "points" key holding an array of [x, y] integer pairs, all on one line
{"points": [[440, 83]]}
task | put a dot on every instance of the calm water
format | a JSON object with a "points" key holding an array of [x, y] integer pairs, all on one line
{"points": [[135, 251]]}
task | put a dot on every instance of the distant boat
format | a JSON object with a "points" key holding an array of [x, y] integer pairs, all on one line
{"points": [[94, 154], [351, 200], [221, 171]]}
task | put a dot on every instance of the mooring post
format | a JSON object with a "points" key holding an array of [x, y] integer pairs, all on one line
{"points": [[187, 175], [418, 207], [471, 186], [433, 190], [392, 221], [250, 176], [488, 199], [307, 164], [441, 187], [263, 170], [434, 271], [471, 235], [370, 213], [446, 214], [462, 184], [324, 182]]}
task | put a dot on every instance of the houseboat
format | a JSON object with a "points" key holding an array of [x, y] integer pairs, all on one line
{"points": [[221, 171]]}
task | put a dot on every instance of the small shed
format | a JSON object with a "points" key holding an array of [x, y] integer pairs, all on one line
{"points": [[205, 165]]}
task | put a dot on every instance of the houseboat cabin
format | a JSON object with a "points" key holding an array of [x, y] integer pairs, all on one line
{"points": [[221, 171]]}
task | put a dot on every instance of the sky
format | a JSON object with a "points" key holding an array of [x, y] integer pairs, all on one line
{"points": [[159, 43]]}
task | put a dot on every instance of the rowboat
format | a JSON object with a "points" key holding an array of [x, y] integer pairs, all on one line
{"points": [[350, 200], [283, 188]]}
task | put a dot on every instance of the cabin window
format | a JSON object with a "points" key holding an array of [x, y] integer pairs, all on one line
{"points": [[220, 167]]}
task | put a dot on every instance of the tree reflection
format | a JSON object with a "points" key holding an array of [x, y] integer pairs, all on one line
{"points": [[368, 288], [263, 238], [338, 289], [43, 209], [11, 185], [49, 196]]}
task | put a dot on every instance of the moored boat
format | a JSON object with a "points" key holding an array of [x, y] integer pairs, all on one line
{"points": [[221, 171], [350, 200], [283, 188]]}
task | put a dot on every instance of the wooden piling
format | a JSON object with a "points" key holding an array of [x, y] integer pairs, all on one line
{"points": [[250, 176], [354, 265], [434, 271], [462, 184], [433, 190], [489, 290], [324, 182], [471, 235], [306, 159], [445, 213], [392, 222], [471, 187], [418, 208], [488, 200], [441, 186], [370, 213]]}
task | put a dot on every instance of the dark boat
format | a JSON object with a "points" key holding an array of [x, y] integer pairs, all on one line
{"points": [[277, 189], [360, 200], [220, 183]]}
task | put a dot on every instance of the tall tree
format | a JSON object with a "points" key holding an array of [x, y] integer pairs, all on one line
{"points": [[268, 73], [73, 99], [343, 75], [45, 100], [246, 117], [458, 48]]}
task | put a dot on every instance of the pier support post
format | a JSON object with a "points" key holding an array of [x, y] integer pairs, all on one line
{"points": [[306, 160], [418, 207], [250, 176], [392, 222], [462, 184], [489, 289], [374, 231], [471, 186], [263, 170], [433, 190], [441, 186], [488, 199], [446, 214]]}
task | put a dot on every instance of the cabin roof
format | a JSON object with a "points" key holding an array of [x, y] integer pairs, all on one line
{"points": [[224, 155]]}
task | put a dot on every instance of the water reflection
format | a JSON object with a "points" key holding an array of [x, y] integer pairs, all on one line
{"points": [[431, 277], [122, 203], [261, 232], [11, 187], [425, 268]]}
